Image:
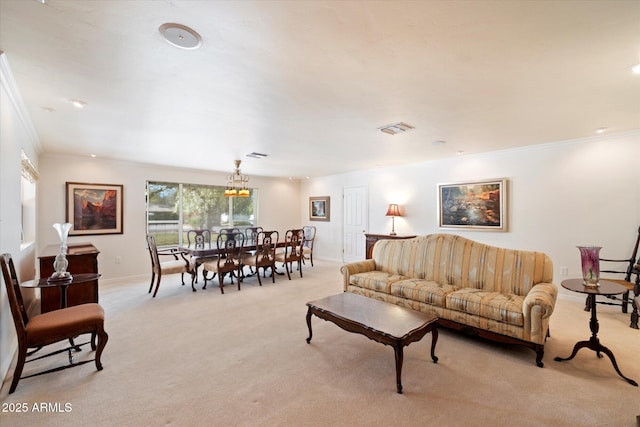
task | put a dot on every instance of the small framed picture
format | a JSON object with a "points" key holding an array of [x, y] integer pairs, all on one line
{"points": [[473, 205], [319, 208], [94, 208]]}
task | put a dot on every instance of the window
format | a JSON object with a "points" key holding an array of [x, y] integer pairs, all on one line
{"points": [[173, 209], [28, 200]]}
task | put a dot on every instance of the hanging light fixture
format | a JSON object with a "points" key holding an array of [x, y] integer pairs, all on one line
{"points": [[237, 183]]}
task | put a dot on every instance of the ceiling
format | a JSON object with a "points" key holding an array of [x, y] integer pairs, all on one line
{"points": [[310, 82]]}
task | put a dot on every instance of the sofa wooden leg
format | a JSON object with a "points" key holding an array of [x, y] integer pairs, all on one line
{"points": [[539, 355]]}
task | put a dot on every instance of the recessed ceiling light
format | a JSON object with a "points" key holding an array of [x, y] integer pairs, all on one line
{"points": [[93, 155], [601, 130], [459, 152], [636, 69], [180, 36], [439, 142], [78, 103]]}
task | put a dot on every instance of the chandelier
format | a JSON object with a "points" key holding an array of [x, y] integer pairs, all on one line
{"points": [[237, 183]]}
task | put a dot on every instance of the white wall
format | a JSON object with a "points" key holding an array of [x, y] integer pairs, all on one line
{"points": [[560, 195], [277, 209], [16, 134]]}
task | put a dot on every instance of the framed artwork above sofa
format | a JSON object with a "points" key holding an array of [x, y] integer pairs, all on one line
{"points": [[473, 205]]}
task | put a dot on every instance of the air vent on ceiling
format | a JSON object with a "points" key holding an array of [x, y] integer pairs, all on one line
{"points": [[256, 155], [396, 128]]}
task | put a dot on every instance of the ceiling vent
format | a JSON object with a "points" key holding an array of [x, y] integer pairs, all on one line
{"points": [[256, 155], [396, 128]]}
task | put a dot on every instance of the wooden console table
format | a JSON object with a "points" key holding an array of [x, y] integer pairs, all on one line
{"points": [[83, 258], [371, 240]]}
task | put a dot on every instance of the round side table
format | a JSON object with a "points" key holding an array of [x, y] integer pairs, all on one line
{"points": [[606, 288]]}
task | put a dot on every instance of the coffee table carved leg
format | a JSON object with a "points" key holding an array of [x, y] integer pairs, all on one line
{"points": [[309, 325], [434, 339], [399, 358]]}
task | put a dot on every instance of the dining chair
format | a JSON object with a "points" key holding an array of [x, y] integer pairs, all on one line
{"points": [[200, 239], [292, 251], [54, 326], [177, 264], [265, 255], [630, 268], [228, 260], [309, 238], [251, 233]]}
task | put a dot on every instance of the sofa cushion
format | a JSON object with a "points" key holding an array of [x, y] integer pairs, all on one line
{"points": [[505, 308], [422, 290], [375, 280]]}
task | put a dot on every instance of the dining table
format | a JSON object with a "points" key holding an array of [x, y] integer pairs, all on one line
{"points": [[200, 254]]}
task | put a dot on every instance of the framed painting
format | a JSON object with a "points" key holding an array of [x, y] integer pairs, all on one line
{"points": [[319, 208], [94, 208], [474, 205]]}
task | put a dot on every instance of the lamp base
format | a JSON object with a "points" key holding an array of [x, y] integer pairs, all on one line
{"points": [[393, 233]]}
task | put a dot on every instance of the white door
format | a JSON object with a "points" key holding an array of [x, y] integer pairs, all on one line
{"points": [[356, 223]]}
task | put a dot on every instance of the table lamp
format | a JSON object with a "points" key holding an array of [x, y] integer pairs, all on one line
{"points": [[393, 211]]}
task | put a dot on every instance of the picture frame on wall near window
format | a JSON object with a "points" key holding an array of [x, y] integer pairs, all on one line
{"points": [[473, 205], [94, 208], [319, 208]]}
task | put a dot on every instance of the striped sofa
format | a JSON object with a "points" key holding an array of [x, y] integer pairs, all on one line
{"points": [[501, 294]]}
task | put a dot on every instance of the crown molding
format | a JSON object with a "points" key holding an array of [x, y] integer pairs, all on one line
{"points": [[8, 83]]}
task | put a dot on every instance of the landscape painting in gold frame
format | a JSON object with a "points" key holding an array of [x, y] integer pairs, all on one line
{"points": [[473, 205]]}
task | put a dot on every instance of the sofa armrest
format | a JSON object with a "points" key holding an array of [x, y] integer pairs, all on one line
{"points": [[537, 308], [542, 295], [356, 267]]}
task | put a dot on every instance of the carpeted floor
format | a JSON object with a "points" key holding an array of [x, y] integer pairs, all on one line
{"points": [[241, 359]]}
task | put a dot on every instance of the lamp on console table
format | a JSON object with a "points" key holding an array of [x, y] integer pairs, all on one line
{"points": [[393, 211]]}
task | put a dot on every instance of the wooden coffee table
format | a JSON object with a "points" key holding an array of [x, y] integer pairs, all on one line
{"points": [[379, 321]]}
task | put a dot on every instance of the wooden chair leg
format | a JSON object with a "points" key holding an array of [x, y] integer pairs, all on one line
{"points": [[286, 267], [102, 342], [157, 285], [220, 280], [153, 278], [258, 274], [22, 356], [625, 302]]}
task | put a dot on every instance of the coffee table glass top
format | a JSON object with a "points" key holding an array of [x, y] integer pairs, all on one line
{"points": [[383, 317]]}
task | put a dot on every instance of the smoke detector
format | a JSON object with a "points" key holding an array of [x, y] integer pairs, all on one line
{"points": [[180, 36]]}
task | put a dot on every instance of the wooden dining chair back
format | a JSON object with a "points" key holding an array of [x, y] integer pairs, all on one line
{"points": [[200, 239], [309, 238], [265, 254], [251, 233], [176, 263], [51, 327], [230, 250], [292, 251], [630, 268]]}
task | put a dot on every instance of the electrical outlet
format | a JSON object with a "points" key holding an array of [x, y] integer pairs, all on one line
{"points": [[118, 260], [564, 271]]}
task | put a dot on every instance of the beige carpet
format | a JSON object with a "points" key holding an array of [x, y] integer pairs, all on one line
{"points": [[241, 359]]}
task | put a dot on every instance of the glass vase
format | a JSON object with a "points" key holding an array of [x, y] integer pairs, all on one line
{"points": [[60, 263], [590, 258]]}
